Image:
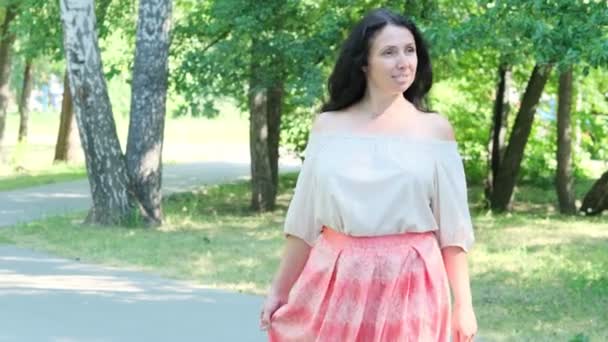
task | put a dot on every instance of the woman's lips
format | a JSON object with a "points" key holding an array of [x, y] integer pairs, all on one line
{"points": [[400, 78]]}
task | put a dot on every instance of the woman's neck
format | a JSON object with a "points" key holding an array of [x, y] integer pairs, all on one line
{"points": [[376, 105]]}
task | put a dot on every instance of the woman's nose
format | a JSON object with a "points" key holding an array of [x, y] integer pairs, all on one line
{"points": [[401, 61]]}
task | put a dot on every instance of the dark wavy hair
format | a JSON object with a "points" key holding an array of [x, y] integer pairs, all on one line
{"points": [[347, 82]]}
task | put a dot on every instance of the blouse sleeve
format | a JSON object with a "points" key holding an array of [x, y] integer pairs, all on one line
{"points": [[450, 203], [300, 220]]}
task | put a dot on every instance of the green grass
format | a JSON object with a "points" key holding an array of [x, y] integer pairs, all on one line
{"points": [[186, 140], [5, 241], [536, 275], [54, 174], [540, 278]]}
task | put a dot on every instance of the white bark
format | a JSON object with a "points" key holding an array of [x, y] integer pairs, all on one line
{"points": [[148, 105], [105, 162]]}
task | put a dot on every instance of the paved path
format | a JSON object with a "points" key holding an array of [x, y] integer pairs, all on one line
{"points": [[58, 199], [45, 298]]}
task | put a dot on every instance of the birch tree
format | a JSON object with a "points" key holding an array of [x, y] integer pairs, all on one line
{"points": [[123, 187]]}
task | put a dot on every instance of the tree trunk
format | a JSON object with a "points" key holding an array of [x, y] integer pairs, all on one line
{"points": [[499, 128], [563, 180], [508, 171], [596, 200], [6, 43], [106, 166], [262, 186], [275, 108], [263, 189], [66, 148], [24, 101], [146, 125], [266, 105]]}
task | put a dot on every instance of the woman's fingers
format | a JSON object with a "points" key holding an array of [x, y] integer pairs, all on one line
{"points": [[459, 336], [264, 320], [267, 310], [456, 336]]}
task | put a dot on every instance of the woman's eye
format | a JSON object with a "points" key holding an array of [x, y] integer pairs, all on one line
{"points": [[388, 52]]}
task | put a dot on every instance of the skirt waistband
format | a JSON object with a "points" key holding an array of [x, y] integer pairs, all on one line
{"points": [[340, 240]]}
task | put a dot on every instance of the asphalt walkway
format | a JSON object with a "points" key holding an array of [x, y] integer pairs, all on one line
{"points": [[46, 298]]}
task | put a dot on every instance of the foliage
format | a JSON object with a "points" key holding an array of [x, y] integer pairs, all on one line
{"points": [[561, 32], [39, 38], [212, 48], [469, 120], [591, 106], [295, 129], [475, 37], [211, 58]]}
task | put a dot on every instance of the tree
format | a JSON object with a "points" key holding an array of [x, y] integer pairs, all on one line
{"points": [[148, 106], [6, 42], [106, 167], [563, 179], [39, 39], [596, 200], [498, 131], [118, 198], [273, 60], [506, 176], [67, 137], [24, 109], [264, 122], [591, 114], [525, 32], [267, 58]]}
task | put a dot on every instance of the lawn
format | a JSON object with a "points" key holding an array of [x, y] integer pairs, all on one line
{"points": [[536, 275], [186, 139], [23, 178]]}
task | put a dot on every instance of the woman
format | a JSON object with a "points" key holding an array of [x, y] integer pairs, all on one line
{"points": [[379, 223]]}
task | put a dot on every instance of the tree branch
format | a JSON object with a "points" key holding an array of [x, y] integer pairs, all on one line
{"points": [[216, 40]]}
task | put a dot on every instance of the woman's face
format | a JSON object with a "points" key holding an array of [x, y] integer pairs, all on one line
{"points": [[392, 60]]}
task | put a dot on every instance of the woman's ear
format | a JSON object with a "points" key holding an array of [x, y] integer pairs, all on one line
{"points": [[364, 69]]}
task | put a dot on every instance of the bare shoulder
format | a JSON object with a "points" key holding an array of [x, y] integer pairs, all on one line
{"points": [[441, 126], [327, 121]]}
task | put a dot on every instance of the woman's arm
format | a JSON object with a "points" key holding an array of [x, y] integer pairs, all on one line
{"points": [[464, 323], [456, 265], [295, 255]]}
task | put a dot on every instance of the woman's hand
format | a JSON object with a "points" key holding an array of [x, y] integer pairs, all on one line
{"points": [[464, 323], [271, 304], [294, 258]]}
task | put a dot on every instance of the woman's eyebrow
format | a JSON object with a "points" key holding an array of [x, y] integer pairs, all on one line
{"points": [[396, 46]]}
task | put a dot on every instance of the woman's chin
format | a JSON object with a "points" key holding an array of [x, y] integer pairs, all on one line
{"points": [[397, 88], [403, 87]]}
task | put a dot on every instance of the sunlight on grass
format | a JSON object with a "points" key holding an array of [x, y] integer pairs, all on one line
{"points": [[53, 174], [550, 273], [536, 276], [186, 139]]}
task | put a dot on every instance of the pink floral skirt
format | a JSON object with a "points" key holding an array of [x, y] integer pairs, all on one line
{"points": [[369, 289]]}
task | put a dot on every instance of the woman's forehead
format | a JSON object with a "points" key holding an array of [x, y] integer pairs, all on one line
{"points": [[392, 35]]}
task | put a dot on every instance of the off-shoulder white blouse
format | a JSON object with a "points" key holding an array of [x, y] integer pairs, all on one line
{"points": [[368, 185]]}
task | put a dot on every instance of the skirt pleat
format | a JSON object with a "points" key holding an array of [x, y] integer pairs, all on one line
{"points": [[369, 289]]}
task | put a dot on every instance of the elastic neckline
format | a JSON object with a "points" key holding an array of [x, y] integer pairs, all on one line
{"points": [[376, 136]]}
